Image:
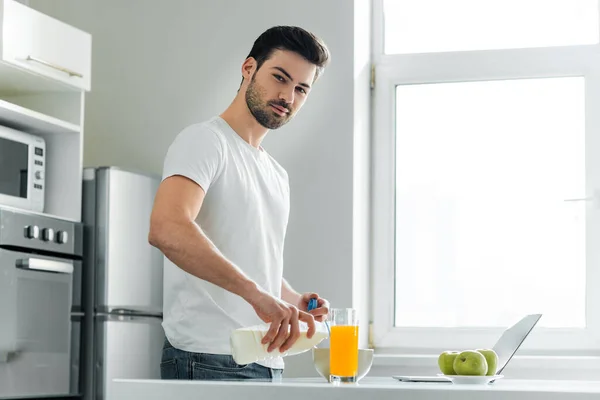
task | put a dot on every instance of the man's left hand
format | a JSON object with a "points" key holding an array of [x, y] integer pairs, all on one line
{"points": [[321, 312]]}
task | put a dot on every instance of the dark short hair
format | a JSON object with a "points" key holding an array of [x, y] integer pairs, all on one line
{"points": [[294, 39]]}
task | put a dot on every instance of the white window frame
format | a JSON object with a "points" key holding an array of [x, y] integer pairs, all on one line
{"points": [[464, 66]]}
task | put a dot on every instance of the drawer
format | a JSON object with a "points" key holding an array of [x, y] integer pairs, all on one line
{"points": [[45, 46]]}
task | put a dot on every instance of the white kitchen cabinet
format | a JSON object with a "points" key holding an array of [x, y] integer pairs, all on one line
{"points": [[44, 45], [45, 72]]}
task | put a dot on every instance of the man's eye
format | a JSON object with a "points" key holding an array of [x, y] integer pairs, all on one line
{"points": [[301, 90], [279, 78]]}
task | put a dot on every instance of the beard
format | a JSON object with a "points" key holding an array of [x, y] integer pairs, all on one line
{"points": [[262, 111]]}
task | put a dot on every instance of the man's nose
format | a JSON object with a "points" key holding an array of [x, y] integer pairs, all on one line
{"points": [[287, 96]]}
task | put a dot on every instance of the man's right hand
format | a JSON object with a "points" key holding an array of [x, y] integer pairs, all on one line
{"points": [[284, 317]]}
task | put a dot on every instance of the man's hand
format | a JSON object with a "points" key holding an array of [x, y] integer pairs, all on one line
{"points": [[284, 317], [321, 312]]}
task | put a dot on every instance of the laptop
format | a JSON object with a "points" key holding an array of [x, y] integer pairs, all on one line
{"points": [[505, 347]]}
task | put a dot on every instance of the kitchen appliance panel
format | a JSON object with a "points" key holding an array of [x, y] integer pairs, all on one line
{"points": [[127, 348], [22, 169], [123, 254], [38, 232], [35, 340]]}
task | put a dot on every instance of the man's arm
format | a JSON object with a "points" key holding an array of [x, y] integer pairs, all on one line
{"points": [[174, 231]]}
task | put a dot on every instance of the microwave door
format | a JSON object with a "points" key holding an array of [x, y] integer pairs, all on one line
{"points": [[14, 171], [22, 170]]}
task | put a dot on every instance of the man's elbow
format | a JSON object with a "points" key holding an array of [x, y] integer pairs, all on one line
{"points": [[157, 233]]}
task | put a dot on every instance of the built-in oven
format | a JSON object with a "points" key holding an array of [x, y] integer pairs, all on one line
{"points": [[22, 169], [41, 312]]}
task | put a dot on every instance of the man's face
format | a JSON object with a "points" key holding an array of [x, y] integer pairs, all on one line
{"points": [[279, 88]]}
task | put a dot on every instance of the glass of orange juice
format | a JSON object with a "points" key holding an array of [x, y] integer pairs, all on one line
{"points": [[343, 345]]}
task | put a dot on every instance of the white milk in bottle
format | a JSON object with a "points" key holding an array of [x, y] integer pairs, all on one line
{"points": [[246, 346]]}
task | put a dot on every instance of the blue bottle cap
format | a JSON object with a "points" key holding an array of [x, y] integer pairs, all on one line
{"points": [[312, 304]]}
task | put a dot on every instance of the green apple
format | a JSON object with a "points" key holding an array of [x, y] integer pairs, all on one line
{"points": [[446, 361], [470, 362], [492, 360]]}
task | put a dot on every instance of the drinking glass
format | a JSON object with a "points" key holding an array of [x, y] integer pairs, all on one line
{"points": [[343, 345]]}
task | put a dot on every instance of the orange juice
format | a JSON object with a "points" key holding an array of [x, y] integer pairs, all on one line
{"points": [[343, 351]]}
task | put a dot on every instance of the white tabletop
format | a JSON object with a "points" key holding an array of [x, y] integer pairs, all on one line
{"points": [[380, 388]]}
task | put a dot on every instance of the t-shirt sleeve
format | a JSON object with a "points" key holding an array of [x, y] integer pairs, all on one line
{"points": [[196, 153]]}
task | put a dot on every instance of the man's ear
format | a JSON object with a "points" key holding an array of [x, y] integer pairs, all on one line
{"points": [[248, 67]]}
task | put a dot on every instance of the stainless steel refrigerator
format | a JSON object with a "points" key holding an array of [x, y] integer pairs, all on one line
{"points": [[123, 277]]}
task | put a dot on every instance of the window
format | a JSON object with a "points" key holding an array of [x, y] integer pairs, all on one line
{"points": [[422, 26], [486, 183]]}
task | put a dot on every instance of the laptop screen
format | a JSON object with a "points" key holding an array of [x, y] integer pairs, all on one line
{"points": [[512, 338]]}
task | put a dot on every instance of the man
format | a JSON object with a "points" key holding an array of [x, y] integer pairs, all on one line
{"points": [[220, 217]]}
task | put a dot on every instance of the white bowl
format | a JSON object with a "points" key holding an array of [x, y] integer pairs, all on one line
{"points": [[472, 379], [321, 362]]}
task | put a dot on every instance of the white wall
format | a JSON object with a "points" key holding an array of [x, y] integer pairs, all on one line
{"points": [[161, 65]]}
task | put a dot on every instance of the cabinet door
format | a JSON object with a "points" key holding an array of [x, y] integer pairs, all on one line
{"points": [[46, 46]]}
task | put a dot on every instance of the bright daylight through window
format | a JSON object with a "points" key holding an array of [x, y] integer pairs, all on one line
{"points": [[418, 26], [475, 215], [486, 168]]}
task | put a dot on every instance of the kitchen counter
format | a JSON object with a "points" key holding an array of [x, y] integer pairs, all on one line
{"points": [[380, 388]]}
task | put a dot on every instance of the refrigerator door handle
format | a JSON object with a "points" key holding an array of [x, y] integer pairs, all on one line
{"points": [[122, 311], [128, 318], [40, 264], [8, 356]]}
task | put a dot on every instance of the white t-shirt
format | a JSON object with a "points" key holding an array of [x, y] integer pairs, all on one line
{"points": [[245, 214]]}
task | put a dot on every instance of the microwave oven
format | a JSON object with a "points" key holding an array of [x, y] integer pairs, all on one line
{"points": [[22, 169]]}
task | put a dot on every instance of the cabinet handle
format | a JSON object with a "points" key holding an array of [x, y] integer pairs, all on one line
{"points": [[45, 265], [54, 66]]}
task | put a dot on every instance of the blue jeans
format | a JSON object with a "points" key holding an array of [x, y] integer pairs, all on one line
{"points": [[180, 364]]}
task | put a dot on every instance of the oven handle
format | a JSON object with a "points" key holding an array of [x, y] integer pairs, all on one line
{"points": [[40, 264]]}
